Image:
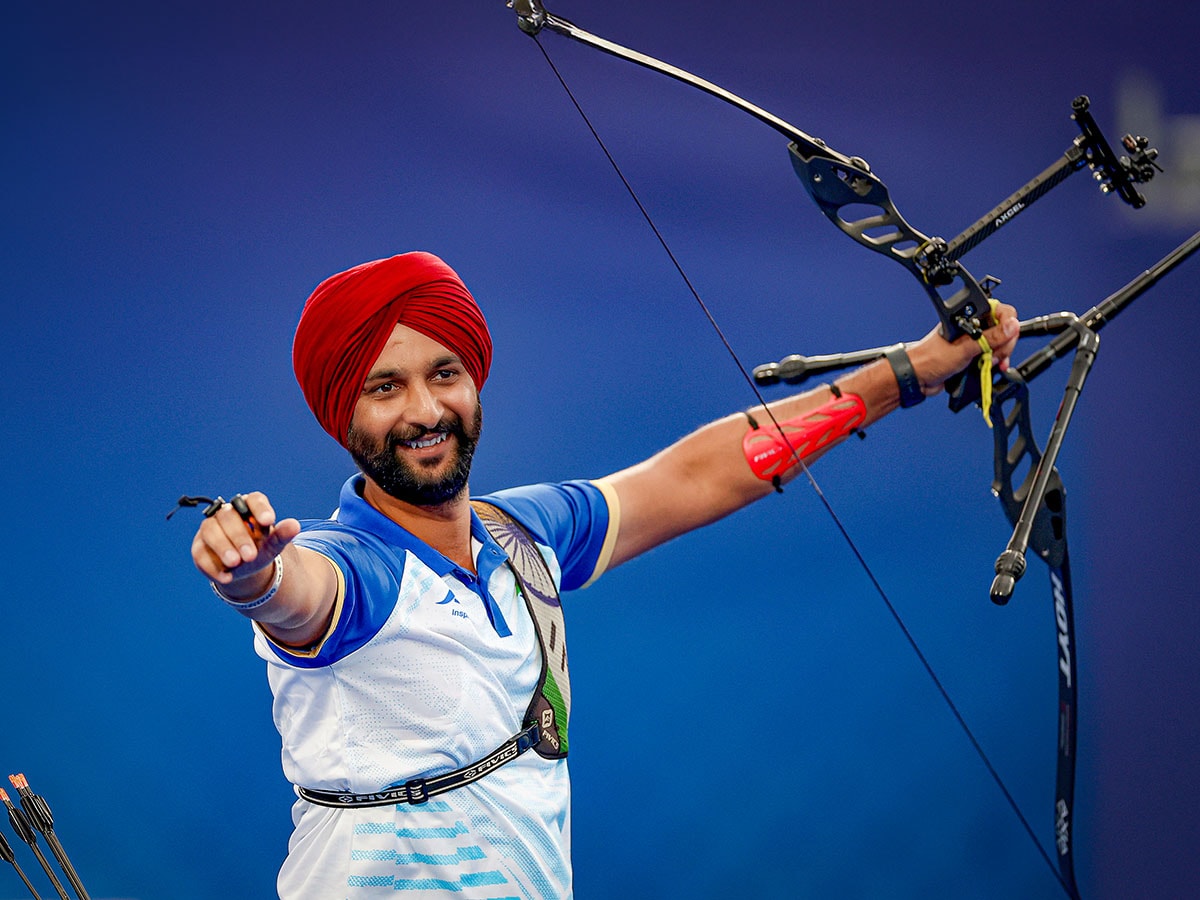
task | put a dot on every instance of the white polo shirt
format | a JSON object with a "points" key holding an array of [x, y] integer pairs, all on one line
{"points": [[427, 668]]}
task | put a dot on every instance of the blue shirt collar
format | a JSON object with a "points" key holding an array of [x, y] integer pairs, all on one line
{"points": [[355, 511]]}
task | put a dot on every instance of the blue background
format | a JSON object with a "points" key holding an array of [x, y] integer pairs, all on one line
{"points": [[748, 720]]}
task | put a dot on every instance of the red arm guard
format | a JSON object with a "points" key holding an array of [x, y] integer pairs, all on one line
{"points": [[770, 453]]}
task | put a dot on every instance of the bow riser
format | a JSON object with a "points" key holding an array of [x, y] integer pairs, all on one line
{"points": [[842, 189]]}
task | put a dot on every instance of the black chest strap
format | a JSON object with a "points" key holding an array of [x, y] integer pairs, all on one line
{"points": [[418, 790], [544, 728]]}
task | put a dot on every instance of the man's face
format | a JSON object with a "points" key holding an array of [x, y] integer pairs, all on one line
{"points": [[417, 421]]}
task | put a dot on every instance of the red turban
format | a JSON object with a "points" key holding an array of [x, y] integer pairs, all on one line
{"points": [[348, 319]]}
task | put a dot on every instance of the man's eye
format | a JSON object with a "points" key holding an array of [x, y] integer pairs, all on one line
{"points": [[386, 388]]}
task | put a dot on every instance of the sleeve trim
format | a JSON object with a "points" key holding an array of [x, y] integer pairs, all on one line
{"points": [[314, 649], [614, 526]]}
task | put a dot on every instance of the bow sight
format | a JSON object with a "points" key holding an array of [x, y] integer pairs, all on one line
{"points": [[1119, 174]]}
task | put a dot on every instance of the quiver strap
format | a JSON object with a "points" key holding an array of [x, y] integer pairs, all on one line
{"points": [[550, 708]]}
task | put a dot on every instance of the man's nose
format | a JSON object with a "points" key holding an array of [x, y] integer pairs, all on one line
{"points": [[424, 408]]}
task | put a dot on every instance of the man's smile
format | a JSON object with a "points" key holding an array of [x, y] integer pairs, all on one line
{"points": [[429, 440]]}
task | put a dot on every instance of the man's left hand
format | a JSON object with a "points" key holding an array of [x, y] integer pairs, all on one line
{"points": [[935, 359]]}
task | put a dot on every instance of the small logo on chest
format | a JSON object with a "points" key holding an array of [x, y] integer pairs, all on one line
{"points": [[455, 611]]}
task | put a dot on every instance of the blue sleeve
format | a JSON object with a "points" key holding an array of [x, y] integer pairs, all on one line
{"points": [[571, 518], [371, 575]]}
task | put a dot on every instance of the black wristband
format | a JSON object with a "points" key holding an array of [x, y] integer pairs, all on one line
{"points": [[906, 377]]}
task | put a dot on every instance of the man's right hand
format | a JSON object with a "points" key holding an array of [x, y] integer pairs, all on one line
{"points": [[234, 554], [239, 555]]}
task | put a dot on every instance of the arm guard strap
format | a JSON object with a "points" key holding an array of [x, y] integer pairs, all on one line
{"points": [[772, 451]]}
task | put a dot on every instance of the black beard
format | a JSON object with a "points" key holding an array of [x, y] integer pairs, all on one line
{"points": [[394, 475]]}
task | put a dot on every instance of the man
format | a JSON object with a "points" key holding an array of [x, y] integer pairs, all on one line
{"points": [[401, 645]]}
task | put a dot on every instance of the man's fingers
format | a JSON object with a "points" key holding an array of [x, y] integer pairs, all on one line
{"points": [[241, 532], [271, 547], [238, 534], [1002, 337], [229, 559], [240, 537], [254, 509], [228, 538], [281, 535], [210, 559]]}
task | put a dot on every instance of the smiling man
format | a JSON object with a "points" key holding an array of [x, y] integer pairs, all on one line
{"points": [[414, 641], [407, 435]]}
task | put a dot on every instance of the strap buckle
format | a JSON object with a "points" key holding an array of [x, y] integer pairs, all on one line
{"points": [[416, 791], [528, 738]]}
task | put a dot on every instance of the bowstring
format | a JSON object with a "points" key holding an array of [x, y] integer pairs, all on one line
{"points": [[891, 608]]}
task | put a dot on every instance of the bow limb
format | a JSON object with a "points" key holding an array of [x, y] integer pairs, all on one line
{"points": [[844, 189], [1038, 507], [533, 17]]}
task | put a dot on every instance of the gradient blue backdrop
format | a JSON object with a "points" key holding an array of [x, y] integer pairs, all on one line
{"points": [[748, 720]]}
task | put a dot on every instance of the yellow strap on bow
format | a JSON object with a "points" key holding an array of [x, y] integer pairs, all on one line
{"points": [[985, 370]]}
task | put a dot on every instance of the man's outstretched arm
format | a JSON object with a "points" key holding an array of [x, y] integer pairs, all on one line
{"points": [[705, 476]]}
